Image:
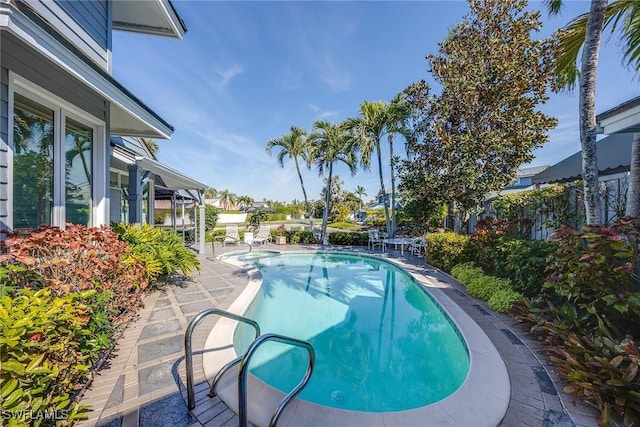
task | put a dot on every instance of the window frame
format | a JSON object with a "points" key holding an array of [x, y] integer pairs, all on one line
{"points": [[62, 110]]}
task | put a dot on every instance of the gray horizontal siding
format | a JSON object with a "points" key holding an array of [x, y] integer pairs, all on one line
{"points": [[92, 16], [20, 59], [4, 149]]}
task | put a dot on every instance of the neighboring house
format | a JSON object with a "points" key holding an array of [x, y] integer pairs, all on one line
{"points": [[614, 159], [379, 202], [59, 106], [522, 182]]}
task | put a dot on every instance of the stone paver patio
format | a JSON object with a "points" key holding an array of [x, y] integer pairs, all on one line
{"points": [[143, 383]]}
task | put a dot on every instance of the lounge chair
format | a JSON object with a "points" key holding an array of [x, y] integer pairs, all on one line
{"points": [[263, 235], [231, 236], [375, 240]]}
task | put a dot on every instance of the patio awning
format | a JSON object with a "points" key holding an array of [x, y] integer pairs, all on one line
{"points": [[171, 178], [614, 156]]}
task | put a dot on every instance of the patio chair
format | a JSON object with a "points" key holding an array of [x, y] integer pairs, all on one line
{"points": [[375, 240], [418, 245], [231, 236], [263, 235]]}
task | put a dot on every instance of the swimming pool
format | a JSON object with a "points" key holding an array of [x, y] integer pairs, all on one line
{"points": [[382, 344], [354, 303]]}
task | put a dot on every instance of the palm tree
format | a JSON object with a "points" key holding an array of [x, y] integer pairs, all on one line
{"points": [[368, 129], [398, 113], [376, 119], [210, 193], [568, 75], [227, 199], [244, 201], [152, 146], [622, 15], [294, 145], [330, 143], [360, 191]]}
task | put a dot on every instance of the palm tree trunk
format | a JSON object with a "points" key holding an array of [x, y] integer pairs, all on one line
{"points": [[304, 192], [393, 189], [384, 190], [327, 197], [633, 194], [590, 53]]}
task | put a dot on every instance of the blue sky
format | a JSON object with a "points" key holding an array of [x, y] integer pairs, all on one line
{"points": [[246, 71]]}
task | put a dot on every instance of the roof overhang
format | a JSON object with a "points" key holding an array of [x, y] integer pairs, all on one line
{"points": [[128, 115], [173, 180], [157, 17], [624, 118]]}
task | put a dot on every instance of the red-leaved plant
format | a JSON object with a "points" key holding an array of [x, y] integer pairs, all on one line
{"points": [[78, 259]]}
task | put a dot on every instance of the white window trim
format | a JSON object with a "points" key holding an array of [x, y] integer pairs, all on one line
{"points": [[63, 109]]}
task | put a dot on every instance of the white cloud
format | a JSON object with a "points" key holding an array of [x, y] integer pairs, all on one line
{"points": [[227, 74]]}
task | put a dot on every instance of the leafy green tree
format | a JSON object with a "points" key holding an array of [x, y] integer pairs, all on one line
{"points": [[330, 144], [583, 34], [472, 138], [294, 145]]}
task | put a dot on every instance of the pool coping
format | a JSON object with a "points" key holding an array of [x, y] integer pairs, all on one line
{"points": [[482, 400]]}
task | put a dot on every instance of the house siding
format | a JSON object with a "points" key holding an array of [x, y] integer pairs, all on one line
{"points": [[28, 64], [86, 24], [4, 149], [91, 16]]}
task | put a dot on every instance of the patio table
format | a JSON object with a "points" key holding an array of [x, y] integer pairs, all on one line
{"points": [[399, 241]]}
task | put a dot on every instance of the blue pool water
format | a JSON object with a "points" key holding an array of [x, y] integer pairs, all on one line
{"points": [[382, 343]]}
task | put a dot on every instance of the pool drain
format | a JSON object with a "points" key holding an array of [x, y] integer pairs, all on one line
{"points": [[337, 396]]}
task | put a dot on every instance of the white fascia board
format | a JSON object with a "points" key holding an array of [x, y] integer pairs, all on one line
{"points": [[154, 17], [621, 121], [26, 30]]}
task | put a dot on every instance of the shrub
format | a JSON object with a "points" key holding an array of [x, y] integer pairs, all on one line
{"points": [[444, 250], [210, 217], [301, 237], [523, 262], [502, 300], [79, 259], [348, 238], [47, 347], [162, 251], [484, 287], [466, 272], [591, 316]]}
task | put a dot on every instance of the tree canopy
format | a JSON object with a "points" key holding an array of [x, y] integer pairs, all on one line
{"points": [[471, 139]]}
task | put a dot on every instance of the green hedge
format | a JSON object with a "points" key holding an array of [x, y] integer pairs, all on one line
{"points": [[445, 250], [352, 238]]}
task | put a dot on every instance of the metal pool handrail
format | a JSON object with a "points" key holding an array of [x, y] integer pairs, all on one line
{"points": [[242, 375], [188, 346]]}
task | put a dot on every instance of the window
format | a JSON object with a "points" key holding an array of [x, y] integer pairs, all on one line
{"points": [[33, 137], [77, 160], [55, 146]]}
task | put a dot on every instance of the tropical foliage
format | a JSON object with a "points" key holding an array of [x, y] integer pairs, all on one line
{"points": [[162, 251]]}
